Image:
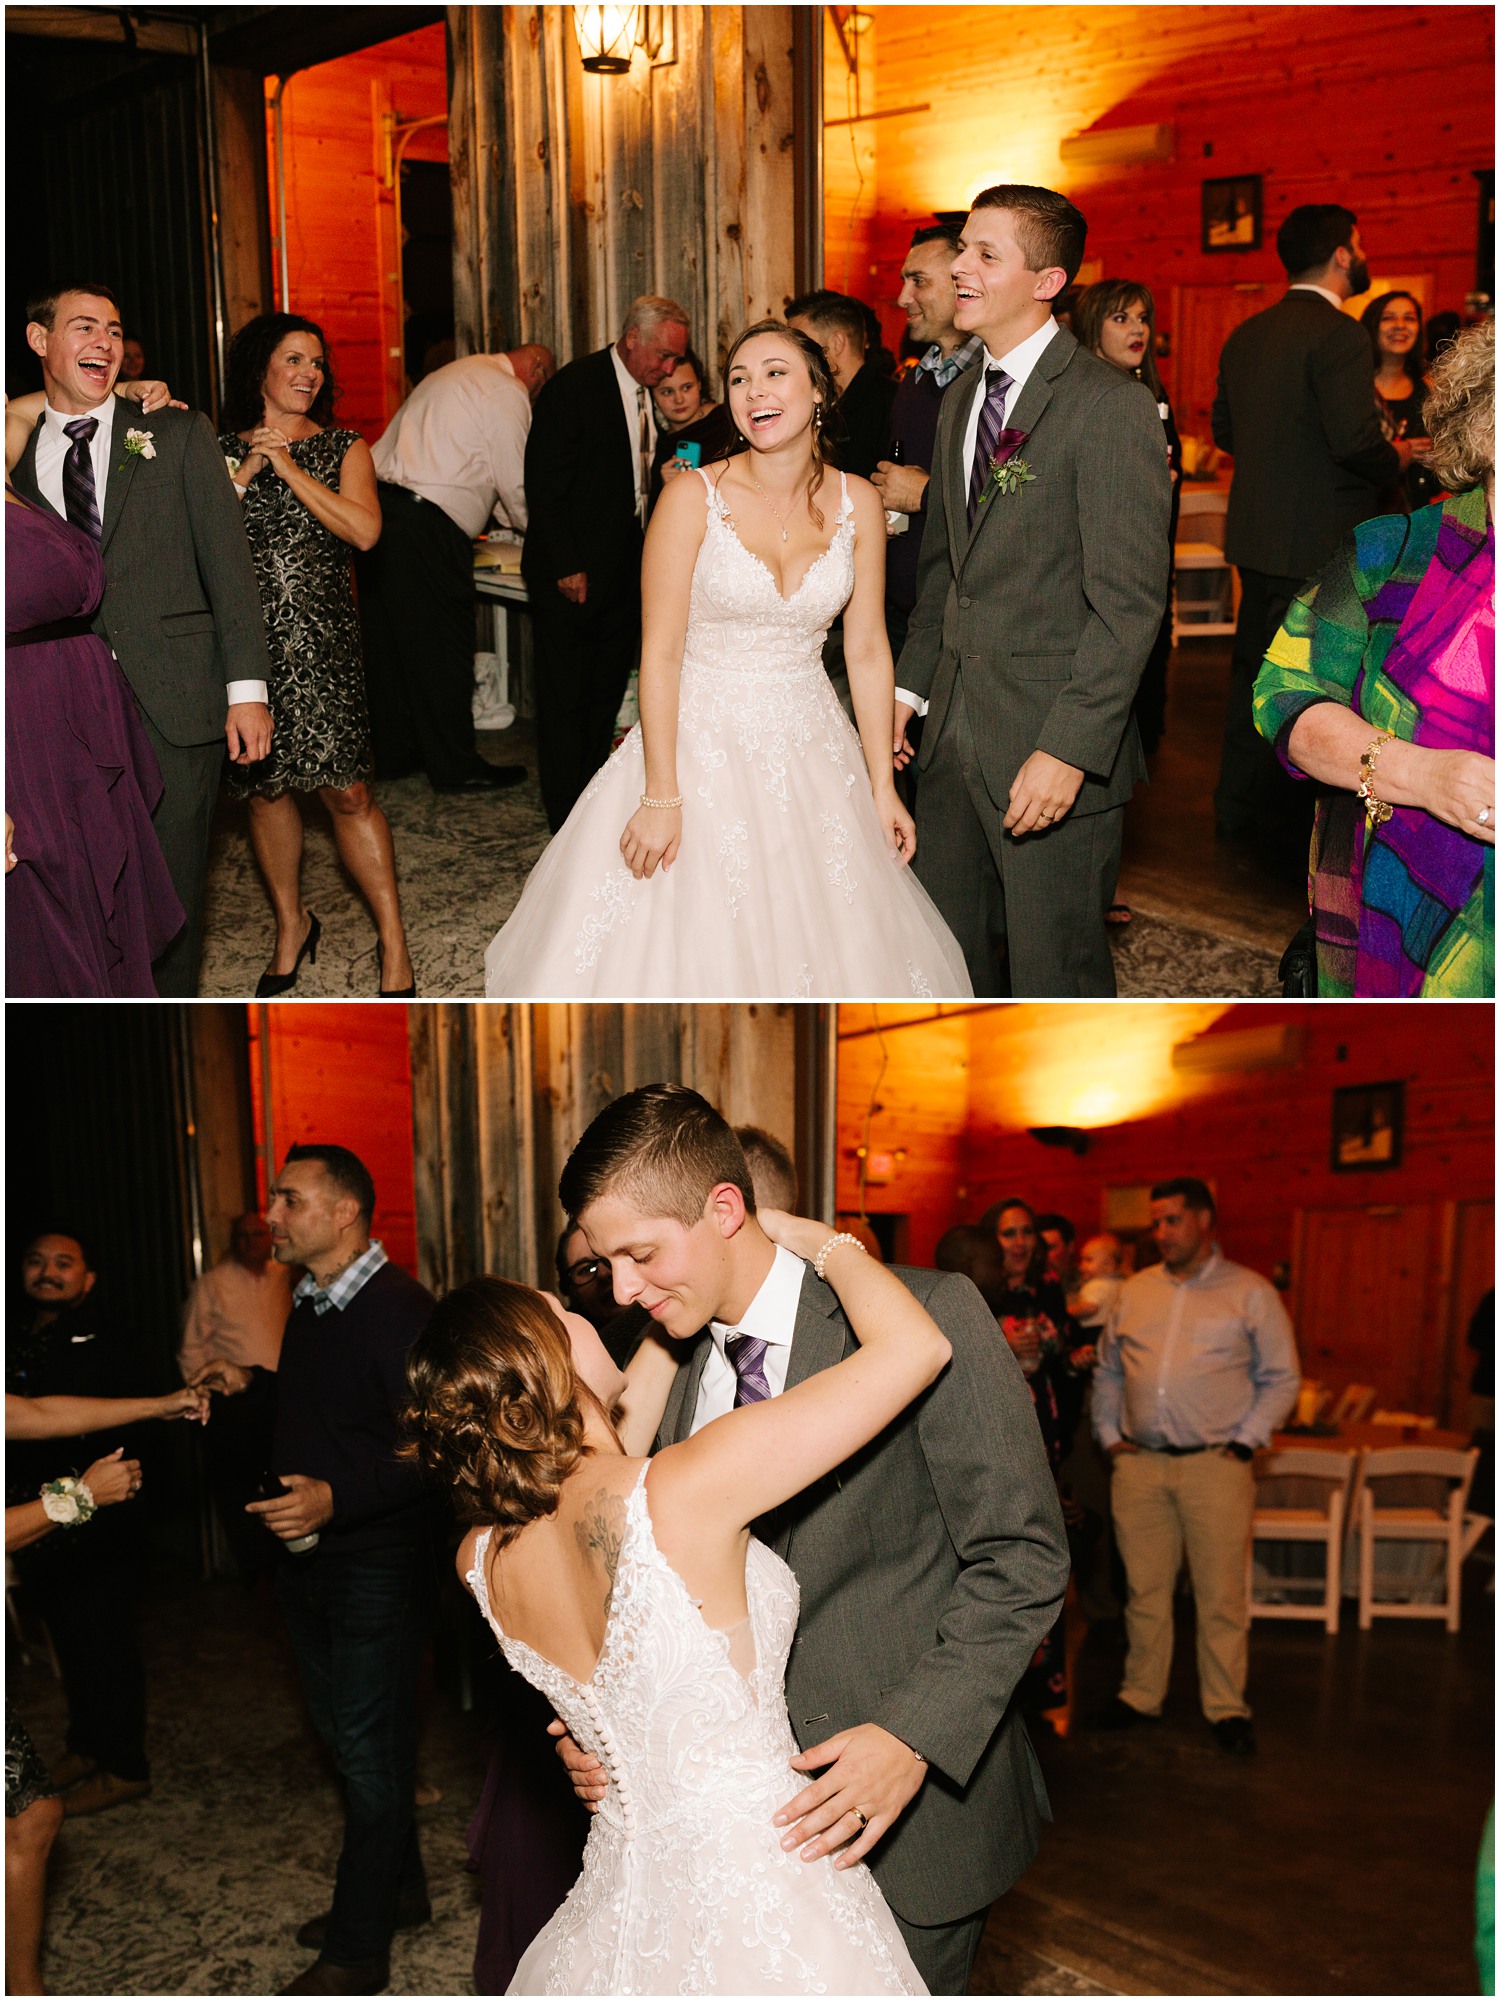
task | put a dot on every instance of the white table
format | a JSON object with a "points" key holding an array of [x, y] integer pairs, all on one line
{"points": [[501, 589]]}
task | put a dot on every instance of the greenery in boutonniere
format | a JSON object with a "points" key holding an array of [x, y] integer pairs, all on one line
{"points": [[1008, 472]]}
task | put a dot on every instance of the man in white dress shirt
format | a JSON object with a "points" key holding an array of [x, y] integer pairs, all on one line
{"points": [[1040, 591], [231, 1341], [181, 607], [450, 462]]}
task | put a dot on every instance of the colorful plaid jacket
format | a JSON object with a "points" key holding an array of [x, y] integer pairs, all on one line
{"points": [[1400, 628]]}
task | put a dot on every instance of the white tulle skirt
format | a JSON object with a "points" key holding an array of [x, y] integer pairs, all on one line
{"points": [[783, 888]]}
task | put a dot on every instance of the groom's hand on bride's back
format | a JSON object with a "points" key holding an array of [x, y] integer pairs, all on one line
{"points": [[869, 1778], [588, 1775]]}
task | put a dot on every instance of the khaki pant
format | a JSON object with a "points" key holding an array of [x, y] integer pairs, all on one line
{"points": [[1201, 1503]]}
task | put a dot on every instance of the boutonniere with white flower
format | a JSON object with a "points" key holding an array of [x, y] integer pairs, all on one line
{"points": [[1008, 472], [233, 464], [139, 445]]}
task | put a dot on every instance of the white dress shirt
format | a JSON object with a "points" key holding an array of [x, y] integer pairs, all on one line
{"points": [[631, 392], [459, 441], [771, 1317], [236, 1315], [1018, 365], [53, 446], [1322, 292]]}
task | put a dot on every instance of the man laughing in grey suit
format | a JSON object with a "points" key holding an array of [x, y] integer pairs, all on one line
{"points": [[931, 1565], [1040, 592]]}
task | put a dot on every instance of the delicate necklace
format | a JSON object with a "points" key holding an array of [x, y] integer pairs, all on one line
{"points": [[782, 518]]}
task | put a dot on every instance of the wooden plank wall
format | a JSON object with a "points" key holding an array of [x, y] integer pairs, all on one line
{"points": [[574, 193], [501, 1092], [1387, 110], [341, 1072], [340, 215], [958, 1094]]}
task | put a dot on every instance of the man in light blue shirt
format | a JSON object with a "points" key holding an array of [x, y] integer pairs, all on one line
{"points": [[1197, 1368]]}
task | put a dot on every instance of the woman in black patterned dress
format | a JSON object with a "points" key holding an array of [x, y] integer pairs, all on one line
{"points": [[309, 495]]}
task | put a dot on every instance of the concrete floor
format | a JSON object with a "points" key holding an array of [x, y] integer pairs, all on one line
{"points": [[1209, 924], [1340, 1861]]}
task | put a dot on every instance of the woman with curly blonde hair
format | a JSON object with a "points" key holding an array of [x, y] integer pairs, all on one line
{"points": [[1381, 687], [630, 1591]]}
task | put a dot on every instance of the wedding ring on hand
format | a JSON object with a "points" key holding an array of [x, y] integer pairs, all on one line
{"points": [[1483, 816], [861, 1816]]}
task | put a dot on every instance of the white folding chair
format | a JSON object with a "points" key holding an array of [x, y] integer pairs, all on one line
{"points": [[1355, 1403], [1203, 595], [1301, 1496], [1447, 1528]]}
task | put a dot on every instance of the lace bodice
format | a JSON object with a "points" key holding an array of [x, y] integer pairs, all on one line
{"points": [[665, 1686], [738, 621], [685, 1887]]}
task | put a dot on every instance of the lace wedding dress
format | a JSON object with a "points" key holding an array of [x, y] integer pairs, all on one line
{"points": [[686, 1888], [783, 887]]}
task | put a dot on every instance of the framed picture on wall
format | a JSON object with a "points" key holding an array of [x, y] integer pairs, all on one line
{"points": [[1368, 1121], [1231, 213]]}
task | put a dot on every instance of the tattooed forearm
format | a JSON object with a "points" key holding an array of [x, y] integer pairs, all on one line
{"points": [[600, 1530]]}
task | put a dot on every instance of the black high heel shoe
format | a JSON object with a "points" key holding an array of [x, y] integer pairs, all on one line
{"points": [[270, 984], [390, 993]]}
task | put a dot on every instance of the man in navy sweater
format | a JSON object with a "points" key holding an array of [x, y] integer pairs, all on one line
{"points": [[357, 1603]]}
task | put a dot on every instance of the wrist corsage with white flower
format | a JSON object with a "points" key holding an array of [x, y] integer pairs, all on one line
{"points": [[67, 1502]]}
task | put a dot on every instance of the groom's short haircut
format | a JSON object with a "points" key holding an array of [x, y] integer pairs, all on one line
{"points": [[1049, 229], [664, 1148], [41, 307]]}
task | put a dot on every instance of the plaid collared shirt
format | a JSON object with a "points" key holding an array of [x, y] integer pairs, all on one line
{"points": [[944, 367], [339, 1291]]}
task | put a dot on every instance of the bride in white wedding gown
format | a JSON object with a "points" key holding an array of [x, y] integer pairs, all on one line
{"points": [[764, 850], [632, 1594]]}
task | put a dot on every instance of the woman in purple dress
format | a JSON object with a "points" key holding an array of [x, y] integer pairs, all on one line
{"points": [[88, 900]]}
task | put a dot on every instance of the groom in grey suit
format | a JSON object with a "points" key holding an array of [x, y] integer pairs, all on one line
{"points": [[1040, 592], [181, 607], [931, 1565]]}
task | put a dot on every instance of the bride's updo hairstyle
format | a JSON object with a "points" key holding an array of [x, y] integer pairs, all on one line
{"points": [[827, 424], [496, 1411]]}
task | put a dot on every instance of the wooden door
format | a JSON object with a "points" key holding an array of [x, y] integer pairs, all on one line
{"points": [[1203, 318], [1365, 1303]]}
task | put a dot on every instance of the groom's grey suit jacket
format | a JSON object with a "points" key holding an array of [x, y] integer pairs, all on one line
{"points": [[931, 1565], [1048, 607]]}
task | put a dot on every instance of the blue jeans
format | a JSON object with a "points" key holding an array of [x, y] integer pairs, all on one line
{"points": [[358, 1622]]}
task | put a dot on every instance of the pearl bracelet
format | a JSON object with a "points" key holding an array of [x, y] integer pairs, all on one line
{"points": [[664, 805], [840, 1237]]}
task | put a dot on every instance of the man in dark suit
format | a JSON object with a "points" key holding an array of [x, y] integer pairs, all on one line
{"points": [[1296, 407], [181, 607], [588, 477], [837, 323], [930, 1565], [1040, 592]]}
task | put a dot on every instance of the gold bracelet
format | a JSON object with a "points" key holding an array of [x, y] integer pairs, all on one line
{"points": [[1377, 812], [839, 1237], [664, 805]]}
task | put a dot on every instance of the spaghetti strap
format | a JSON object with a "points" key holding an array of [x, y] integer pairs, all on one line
{"points": [[715, 499]]}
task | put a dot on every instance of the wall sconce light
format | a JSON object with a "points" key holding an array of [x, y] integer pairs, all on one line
{"points": [[607, 38], [1072, 1137]]}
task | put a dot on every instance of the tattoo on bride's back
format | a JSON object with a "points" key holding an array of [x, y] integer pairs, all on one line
{"points": [[601, 1530]]}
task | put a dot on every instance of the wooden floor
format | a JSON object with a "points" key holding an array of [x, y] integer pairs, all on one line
{"points": [[1174, 868]]}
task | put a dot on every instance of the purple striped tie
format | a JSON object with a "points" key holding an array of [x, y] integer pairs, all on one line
{"points": [[747, 1356], [79, 497], [991, 420]]}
